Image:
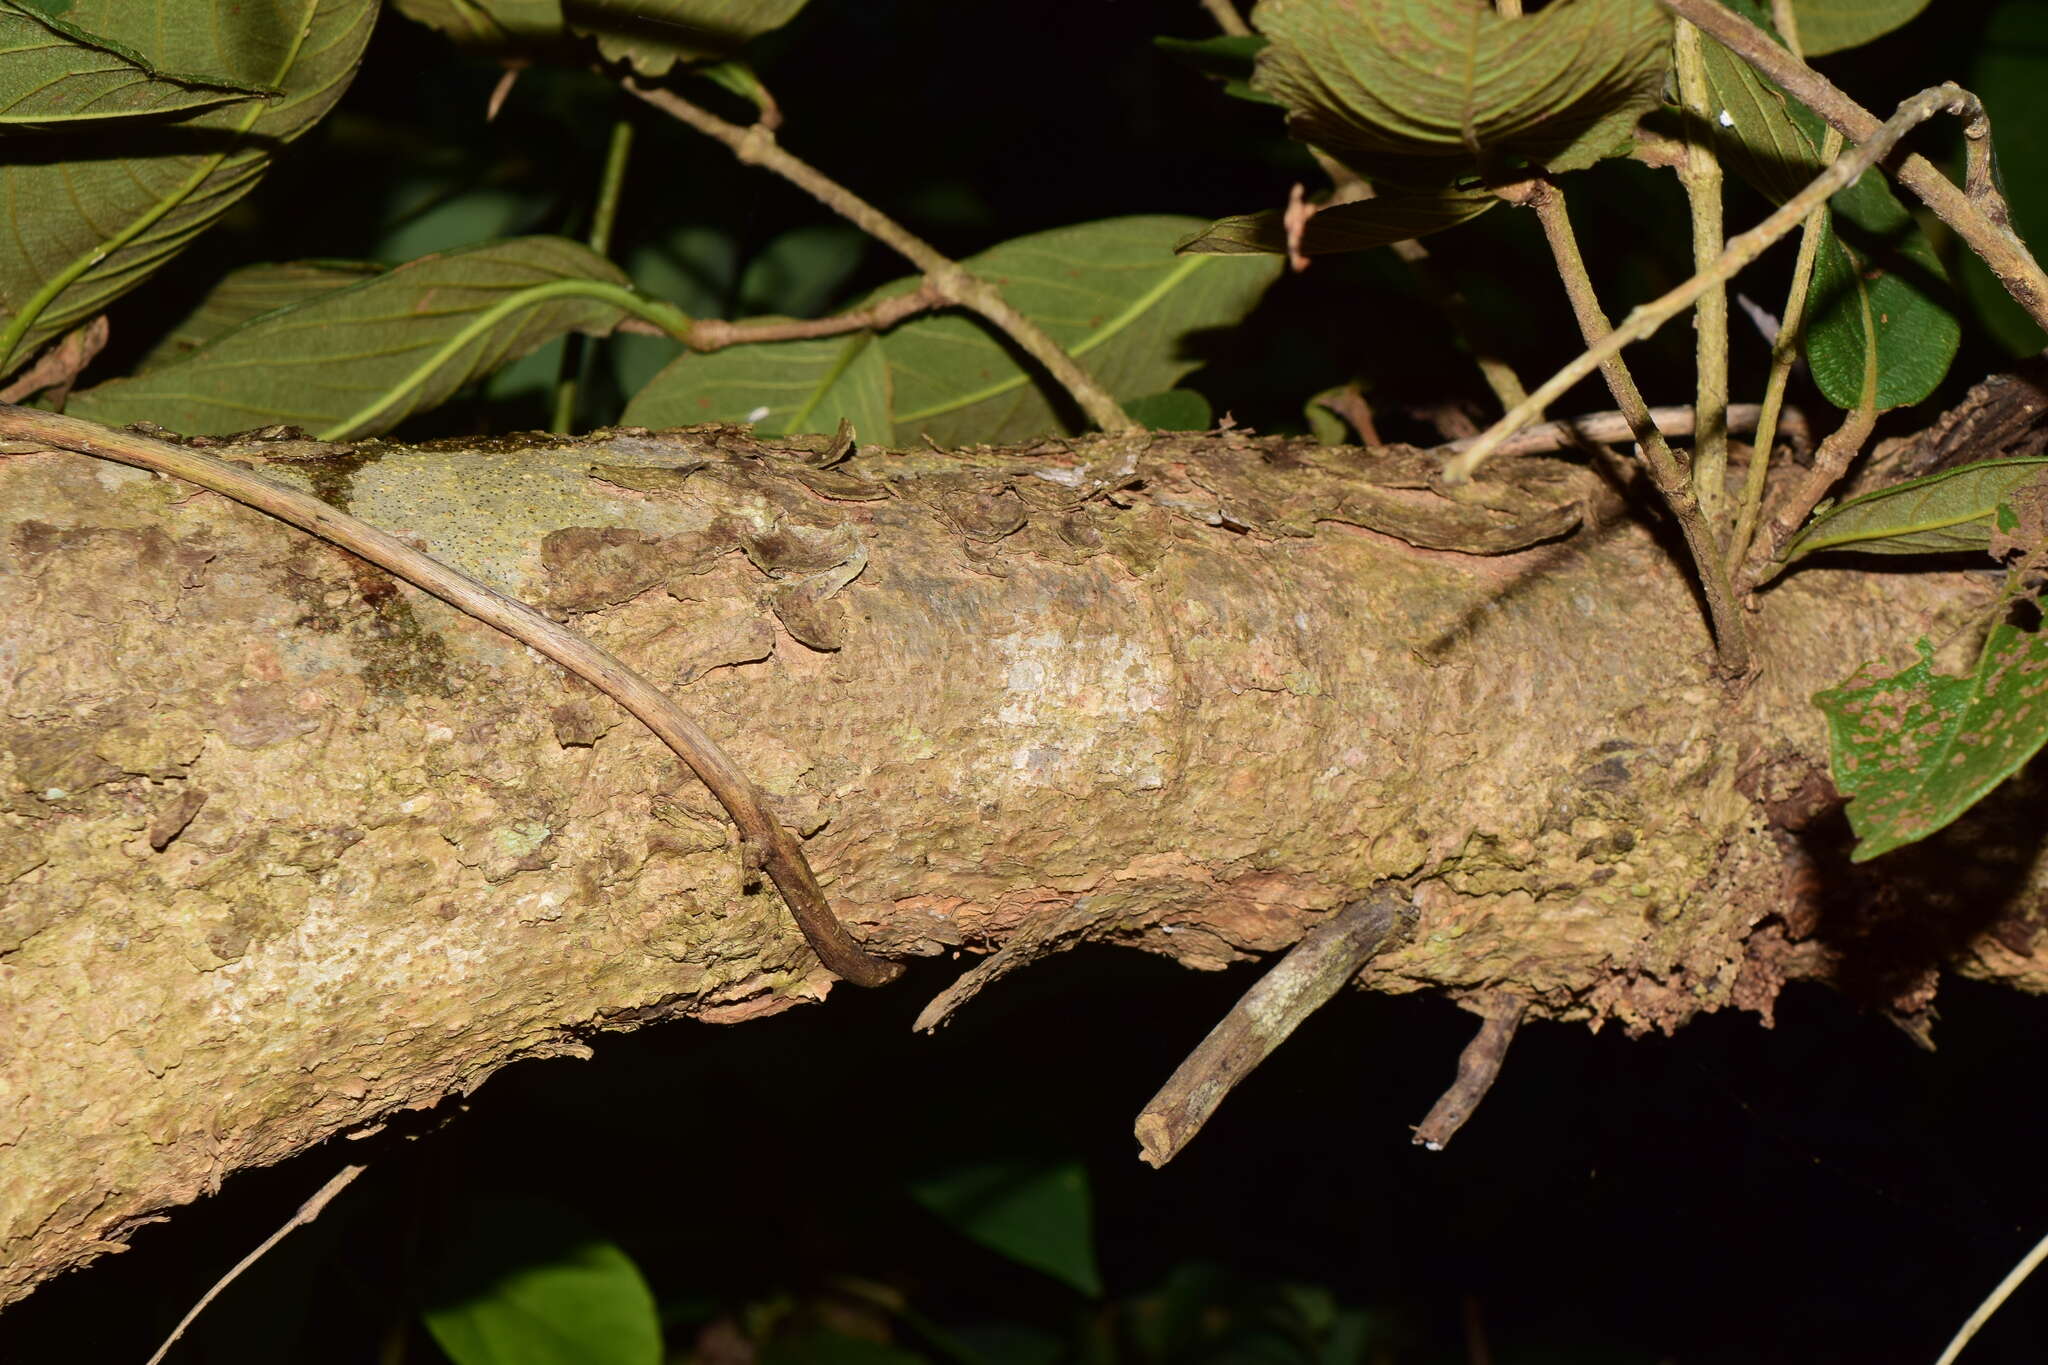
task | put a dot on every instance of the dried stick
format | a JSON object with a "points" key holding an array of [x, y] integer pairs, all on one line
{"points": [[759, 829], [307, 1212], [1604, 428], [1227, 18], [1700, 173], [1646, 318], [1994, 1301], [1478, 1065], [756, 146], [1976, 211], [1314, 969], [1667, 473]]}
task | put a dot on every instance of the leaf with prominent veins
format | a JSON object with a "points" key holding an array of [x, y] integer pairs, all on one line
{"points": [[56, 75]]}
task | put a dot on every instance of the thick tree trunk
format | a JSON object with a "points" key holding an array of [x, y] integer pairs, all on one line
{"points": [[285, 847]]}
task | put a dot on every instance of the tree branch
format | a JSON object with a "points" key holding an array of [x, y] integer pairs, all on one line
{"points": [[757, 147]]}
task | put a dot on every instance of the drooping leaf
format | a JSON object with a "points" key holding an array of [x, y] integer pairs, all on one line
{"points": [[250, 292], [359, 360], [1915, 750], [521, 1282], [1939, 513], [89, 219], [1832, 25], [1393, 216], [1426, 92], [1035, 1214], [1877, 264], [1112, 293], [1226, 58], [656, 34], [55, 75], [1873, 258]]}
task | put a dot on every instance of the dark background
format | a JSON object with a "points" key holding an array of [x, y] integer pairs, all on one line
{"points": [[1825, 1191]]}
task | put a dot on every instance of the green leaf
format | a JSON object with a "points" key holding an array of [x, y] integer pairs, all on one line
{"points": [[1112, 293], [656, 34], [1174, 410], [782, 388], [1426, 92], [361, 359], [1226, 58], [1938, 514], [1873, 258], [88, 220], [249, 292], [799, 273], [1915, 750], [489, 24], [54, 75], [521, 1282], [1832, 25], [1395, 215], [1035, 1214], [1877, 264]]}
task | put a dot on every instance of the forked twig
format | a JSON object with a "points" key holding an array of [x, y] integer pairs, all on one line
{"points": [[1976, 210], [1646, 318], [757, 147], [780, 856], [1301, 983]]}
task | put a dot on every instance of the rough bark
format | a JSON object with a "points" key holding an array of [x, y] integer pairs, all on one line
{"points": [[286, 848]]}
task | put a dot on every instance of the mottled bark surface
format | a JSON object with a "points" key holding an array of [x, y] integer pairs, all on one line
{"points": [[285, 847]]}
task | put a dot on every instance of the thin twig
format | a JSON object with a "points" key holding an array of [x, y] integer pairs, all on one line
{"points": [[759, 829], [1645, 319], [756, 146], [307, 1212], [1994, 1301], [1227, 18], [1314, 969], [1606, 428], [713, 334], [1784, 351], [1478, 1067], [1667, 473], [1700, 173], [1830, 462], [575, 347], [1977, 211], [58, 368]]}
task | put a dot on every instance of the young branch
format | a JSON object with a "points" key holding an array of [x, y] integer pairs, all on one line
{"points": [[763, 833], [1313, 971], [1646, 318], [757, 147], [1700, 173], [1784, 351], [1667, 473], [611, 186], [1830, 462], [1976, 211]]}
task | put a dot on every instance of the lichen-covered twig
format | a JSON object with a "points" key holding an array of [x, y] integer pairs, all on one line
{"points": [[757, 147], [1478, 1065], [1314, 969], [780, 856]]}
